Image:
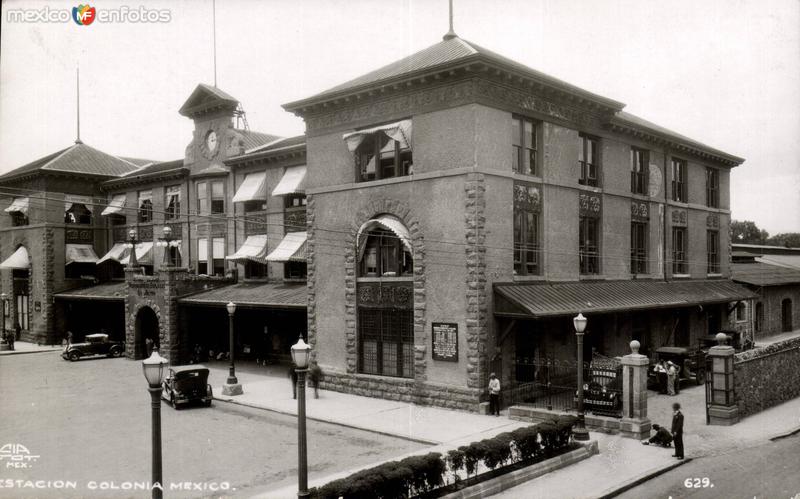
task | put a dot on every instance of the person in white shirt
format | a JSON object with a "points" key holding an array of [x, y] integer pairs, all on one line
{"points": [[494, 395]]}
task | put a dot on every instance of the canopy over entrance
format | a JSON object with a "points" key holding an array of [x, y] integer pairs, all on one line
{"points": [[18, 260]]}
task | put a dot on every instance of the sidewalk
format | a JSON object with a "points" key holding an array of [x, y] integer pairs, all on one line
{"points": [[25, 347], [621, 460]]}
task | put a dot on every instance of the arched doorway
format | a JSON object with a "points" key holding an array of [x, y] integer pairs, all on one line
{"points": [[146, 327], [786, 315]]}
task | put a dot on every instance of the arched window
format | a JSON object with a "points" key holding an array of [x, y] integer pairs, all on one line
{"points": [[385, 298]]}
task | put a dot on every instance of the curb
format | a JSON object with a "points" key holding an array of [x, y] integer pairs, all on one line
{"points": [[786, 434], [330, 421], [640, 480], [23, 352]]}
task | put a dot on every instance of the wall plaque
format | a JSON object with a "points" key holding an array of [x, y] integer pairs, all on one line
{"points": [[445, 341], [37, 306], [679, 217], [712, 221], [589, 204], [398, 295], [640, 210]]}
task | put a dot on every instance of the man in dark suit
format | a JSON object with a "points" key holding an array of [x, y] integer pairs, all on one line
{"points": [[677, 430]]}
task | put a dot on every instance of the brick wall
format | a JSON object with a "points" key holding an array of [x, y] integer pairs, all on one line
{"points": [[766, 377]]}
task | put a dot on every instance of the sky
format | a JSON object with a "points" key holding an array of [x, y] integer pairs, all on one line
{"points": [[724, 72]]}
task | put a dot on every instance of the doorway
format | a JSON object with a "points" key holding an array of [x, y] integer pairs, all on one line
{"points": [[786, 315], [146, 328]]}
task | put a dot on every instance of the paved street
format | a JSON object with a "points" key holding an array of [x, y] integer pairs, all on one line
{"points": [[765, 471], [89, 421]]}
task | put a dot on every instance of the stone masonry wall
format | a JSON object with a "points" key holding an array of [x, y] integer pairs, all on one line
{"points": [[477, 310], [766, 377]]}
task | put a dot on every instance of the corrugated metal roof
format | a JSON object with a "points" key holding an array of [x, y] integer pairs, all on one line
{"points": [[78, 158], [764, 274], [790, 261], [110, 291], [252, 294], [569, 298], [256, 139]]}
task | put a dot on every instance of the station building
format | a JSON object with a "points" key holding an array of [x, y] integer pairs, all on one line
{"points": [[444, 216]]}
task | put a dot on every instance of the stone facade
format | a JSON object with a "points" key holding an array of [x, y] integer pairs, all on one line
{"points": [[768, 376]]}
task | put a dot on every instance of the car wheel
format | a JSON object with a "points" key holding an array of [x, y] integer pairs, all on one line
{"points": [[700, 377], [117, 352], [73, 356]]}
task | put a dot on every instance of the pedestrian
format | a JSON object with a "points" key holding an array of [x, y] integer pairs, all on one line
{"points": [[672, 377], [10, 341], [69, 338], [148, 343], [677, 430], [18, 331], [662, 437], [494, 395], [314, 377]]}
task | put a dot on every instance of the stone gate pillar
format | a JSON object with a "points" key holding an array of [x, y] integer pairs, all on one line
{"points": [[635, 423], [722, 408]]}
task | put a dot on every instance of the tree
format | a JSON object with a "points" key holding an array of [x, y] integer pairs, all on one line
{"points": [[785, 239], [747, 232]]}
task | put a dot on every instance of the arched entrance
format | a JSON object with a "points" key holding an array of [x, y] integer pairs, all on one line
{"points": [[786, 315], [145, 328]]}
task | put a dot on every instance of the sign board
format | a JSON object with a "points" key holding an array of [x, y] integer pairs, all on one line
{"points": [[445, 341]]}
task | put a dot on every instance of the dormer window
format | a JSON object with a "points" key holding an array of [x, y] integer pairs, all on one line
{"points": [[382, 152]]}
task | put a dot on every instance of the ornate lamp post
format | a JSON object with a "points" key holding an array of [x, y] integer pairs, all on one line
{"points": [[231, 386], [154, 367], [4, 298], [580, 433], [301, 352], [132, 263], [166, 241]]}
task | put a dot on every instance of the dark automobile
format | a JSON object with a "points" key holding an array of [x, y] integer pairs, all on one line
{"points": [[690, 363], [602, 395], [186, 384], [95, 344]]}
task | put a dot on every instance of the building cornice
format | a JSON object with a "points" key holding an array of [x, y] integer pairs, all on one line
{"points": [[294, 152], [147, 178]]}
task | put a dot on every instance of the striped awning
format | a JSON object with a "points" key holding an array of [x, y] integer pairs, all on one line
{"points": [[388, 222], [535, 300], [116, 205], [144, 254], [254, 249], [80, 253], [291, 249], [71, 199], [18, 260], [292, 182], [19, 205], [254, 188], [116, 253], [399, 131]]}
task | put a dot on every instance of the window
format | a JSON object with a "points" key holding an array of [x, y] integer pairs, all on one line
{"points": [[526, 242], [639, 160], [255, 270], [218, 255], [254, 206], [294, 200], [385, 256], [78, 213], [380, 156], [295, 270], [172, 202], [386, 342], [18, 219], [638, 248], [759, 317], [145, 210], [202, 198], [679, 180], [202, 256], [523, 145], [588, 251], [712, 245], [174, 255], [741, 312], [589, 161], [678, 250], [712, 187], [217, 197]]}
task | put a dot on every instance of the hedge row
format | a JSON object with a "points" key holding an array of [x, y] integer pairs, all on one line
{"points": [[420, 474]]}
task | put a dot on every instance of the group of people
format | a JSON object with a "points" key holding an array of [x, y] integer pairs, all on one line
{"points": [[665, 438], [668, 373]]}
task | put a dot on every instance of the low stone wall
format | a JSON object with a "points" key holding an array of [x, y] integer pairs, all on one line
{"points": [[765, 377], [404, 390]]}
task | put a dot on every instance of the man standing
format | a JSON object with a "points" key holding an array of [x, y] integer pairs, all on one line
{"points": [[494, 395], [677, 430], [672, 378]]}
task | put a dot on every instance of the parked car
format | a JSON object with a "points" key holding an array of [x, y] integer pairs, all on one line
{"points": [[691, 366], [186, 384], [95, 344]]}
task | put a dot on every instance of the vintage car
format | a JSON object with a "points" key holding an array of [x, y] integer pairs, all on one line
{"points": [[602, 394], [691, 367], [186, 384], [95, 344]]}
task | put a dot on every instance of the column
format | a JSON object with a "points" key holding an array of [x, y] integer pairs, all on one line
{"points": [[634, 423], [722, 409]]}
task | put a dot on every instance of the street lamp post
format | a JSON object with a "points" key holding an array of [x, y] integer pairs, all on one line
{"points": [[4, 297], [132, 263], [301, 352], [231, 386], [165, 241], [154, 367], [580, 432]]}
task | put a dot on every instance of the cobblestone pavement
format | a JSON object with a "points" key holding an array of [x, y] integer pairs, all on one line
{"points": [[89, 421]]}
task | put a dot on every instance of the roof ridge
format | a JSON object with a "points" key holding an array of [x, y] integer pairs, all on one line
{"points": [[64, 152]]}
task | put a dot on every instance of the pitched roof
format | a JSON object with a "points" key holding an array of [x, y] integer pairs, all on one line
{"points": [[110, 291], [256, 139], [138, 161], [764, 274], [568, 298], [252, 294], [205, 97], [151, 171], [79, 158], [445, 53]]}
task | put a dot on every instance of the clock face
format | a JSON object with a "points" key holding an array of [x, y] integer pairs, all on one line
{"points": [[211, 141]]}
